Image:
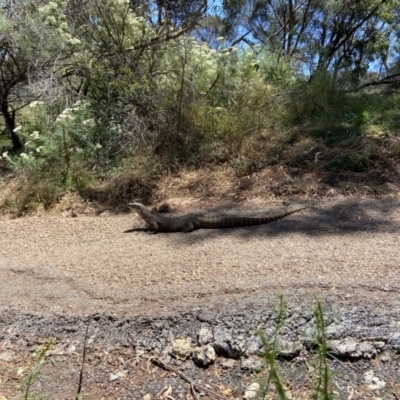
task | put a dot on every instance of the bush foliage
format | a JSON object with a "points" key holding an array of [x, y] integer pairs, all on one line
{"points": [[92, 89]]}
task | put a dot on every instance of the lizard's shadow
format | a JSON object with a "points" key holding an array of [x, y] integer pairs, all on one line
{"points": [[337, 217], [138, 230]]}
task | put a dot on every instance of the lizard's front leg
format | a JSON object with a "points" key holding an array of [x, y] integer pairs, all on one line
{"points": [[153, 226], [189, 227]]}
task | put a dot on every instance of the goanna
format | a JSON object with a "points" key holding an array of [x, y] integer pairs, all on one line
{"points": [[190, 222]]}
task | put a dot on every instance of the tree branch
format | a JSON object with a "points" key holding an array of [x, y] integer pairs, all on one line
{"points": [[387, 80], [164, 38]]}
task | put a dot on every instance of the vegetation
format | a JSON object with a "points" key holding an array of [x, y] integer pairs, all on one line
{"points": [[34, 371], [319, 357], [110, 96], [271, 347]]}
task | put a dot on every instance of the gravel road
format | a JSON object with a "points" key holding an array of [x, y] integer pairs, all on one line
{"points": [[56, 273], [339, 249]]}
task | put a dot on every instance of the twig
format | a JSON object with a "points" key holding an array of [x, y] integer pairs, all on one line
{"points": [[83, 362], [193, 391], [193, 386], [387, 80]]}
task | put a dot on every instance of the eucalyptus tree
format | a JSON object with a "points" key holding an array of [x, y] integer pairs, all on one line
{"points": [[104, 50], [35, 41], [330, 35], [342, 37], [127, 47]]}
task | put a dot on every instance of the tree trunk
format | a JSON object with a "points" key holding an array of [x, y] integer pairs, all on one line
{"points": [[9, 119]]}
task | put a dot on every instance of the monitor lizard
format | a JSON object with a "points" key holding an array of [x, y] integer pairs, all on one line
{"points": [[190, 222]]}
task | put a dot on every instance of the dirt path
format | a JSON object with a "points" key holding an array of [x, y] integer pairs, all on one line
{"points": [[91, 264], [53, 268]]}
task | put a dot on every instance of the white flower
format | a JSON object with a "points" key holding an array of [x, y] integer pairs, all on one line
{"points": [[51, 20], [24, 155], [74, 41], [18, 128], [98, 146], [5, 154], [65, 115], [52, 5], [89, 122], [34, 135], [39, 149], [44, 9]]}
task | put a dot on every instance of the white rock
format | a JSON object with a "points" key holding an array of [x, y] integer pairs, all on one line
{"points": [[204, 355], [5, 356], [372, 381], [113, 377], [117, 375], [71, 349], [182, 348], [205, 335], [252, 391], [228, 364], [251, 364]]}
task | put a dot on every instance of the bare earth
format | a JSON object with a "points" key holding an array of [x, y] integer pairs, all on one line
{"points": [[346, 252]]}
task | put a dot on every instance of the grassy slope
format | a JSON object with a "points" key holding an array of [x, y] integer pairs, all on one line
{"points": [[346, 146]]}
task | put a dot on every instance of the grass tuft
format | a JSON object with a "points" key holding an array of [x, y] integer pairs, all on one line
{"points": [[34, 372]]}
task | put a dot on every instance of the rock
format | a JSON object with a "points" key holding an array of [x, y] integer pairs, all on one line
{"points": [[146, 397], [254, 346], [252, 391], [394, 341], [386, 357], [205, 335], [204, 356], [373, 382], [353, 348], [117, 375], [228, 345], [71, 349], [289, 350], [182, 348], [5, 356], [251, 364], [228, 364], [336, 330]]}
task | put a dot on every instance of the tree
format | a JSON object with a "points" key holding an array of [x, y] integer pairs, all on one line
{"points": [[34, 41], [341, 37]]}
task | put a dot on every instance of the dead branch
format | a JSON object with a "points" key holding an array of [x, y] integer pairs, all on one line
{"points": [[387, 80], [193, 386]]}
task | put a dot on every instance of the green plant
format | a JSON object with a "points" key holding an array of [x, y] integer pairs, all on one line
{"points": [[271, 352], [317, 98], [350, 162], [322, 377], [35, 371]]}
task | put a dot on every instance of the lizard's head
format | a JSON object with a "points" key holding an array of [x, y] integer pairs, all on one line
{"points": [[136, 206]]}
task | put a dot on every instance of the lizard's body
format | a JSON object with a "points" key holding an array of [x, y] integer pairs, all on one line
{"points": [[190, 222]]}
